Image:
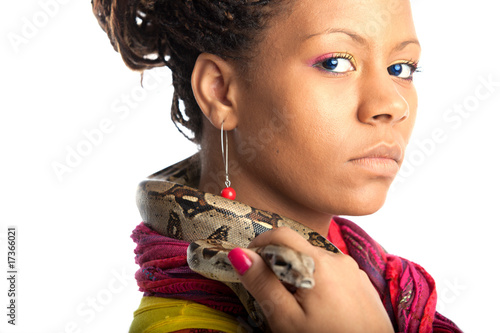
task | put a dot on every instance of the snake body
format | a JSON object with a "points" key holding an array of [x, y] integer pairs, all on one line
{"points": [[214, 225], [209, 257]]}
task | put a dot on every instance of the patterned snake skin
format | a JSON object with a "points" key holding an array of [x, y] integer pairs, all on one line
{"points": [[172, 208]]}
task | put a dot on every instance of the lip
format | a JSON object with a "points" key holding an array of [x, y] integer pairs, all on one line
{"points": [[382, 159]]}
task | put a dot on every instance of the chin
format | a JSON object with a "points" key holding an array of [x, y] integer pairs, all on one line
{"points": [[365, 202]]}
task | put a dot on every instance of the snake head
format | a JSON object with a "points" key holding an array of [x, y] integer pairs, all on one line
{"points": [[291, 267]]}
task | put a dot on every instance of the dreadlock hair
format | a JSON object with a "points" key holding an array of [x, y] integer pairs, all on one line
{"points": [[153, 33]]}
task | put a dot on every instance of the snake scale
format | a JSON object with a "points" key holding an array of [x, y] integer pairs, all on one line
{"points": [[211, 223]]}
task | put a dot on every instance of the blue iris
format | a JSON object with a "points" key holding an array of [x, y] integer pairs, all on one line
{"points": [[396, 69], [331, 63]]}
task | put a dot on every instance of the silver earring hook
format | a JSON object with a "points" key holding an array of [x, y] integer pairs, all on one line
{"points": [[225, 159]]}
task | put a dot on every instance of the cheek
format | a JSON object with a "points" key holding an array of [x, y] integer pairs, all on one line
{"points": [[326, 116], [314, 137], [295, 126]]}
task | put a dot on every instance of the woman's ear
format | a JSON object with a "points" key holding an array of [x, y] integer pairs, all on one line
{"points": [[215, 89]]}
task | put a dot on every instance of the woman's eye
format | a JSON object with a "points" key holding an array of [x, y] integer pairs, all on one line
{"points": [[403, 71], [336, 65]]}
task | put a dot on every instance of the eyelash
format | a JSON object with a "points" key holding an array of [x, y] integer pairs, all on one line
{"points": [[319, 62], [414, 69]]}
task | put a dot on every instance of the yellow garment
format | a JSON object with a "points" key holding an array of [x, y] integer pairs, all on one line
{"points": [[162, 315]]}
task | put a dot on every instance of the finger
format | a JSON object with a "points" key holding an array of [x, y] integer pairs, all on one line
{"points": [[275, 300]]}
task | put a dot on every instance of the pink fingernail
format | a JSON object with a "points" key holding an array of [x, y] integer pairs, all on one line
{"points": [[239, 260]]}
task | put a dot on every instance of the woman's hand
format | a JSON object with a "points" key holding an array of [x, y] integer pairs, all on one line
{"points": [[342, 300]]}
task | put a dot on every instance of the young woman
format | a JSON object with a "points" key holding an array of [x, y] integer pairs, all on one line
{"points": [[314, 103]]}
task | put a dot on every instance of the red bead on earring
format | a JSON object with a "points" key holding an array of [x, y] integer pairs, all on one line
{"points": [[228, 192]]}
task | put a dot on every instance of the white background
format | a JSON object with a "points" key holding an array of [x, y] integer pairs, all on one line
{"points": [[75, 255]]}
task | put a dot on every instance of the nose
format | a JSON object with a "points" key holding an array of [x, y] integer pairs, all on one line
{"points": [[381, 102]]}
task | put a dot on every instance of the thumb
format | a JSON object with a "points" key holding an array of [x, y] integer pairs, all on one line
{"points": [[264, 286]]}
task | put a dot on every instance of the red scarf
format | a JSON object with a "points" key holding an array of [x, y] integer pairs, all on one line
{"points": [[407, 291]]}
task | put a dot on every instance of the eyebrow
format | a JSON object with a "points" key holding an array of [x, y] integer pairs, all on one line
{"points": [[359, 39]]}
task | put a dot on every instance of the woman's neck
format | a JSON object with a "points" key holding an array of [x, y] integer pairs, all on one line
{"points": [[255, 192]]}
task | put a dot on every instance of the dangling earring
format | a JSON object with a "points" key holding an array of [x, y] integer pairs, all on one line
{"points": [[227, 192]]}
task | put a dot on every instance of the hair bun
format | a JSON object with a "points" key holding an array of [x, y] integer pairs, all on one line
{"points": [[173, 33], [132, 31]]}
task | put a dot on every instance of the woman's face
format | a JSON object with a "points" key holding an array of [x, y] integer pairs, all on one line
{"points": [[330, 106]]}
